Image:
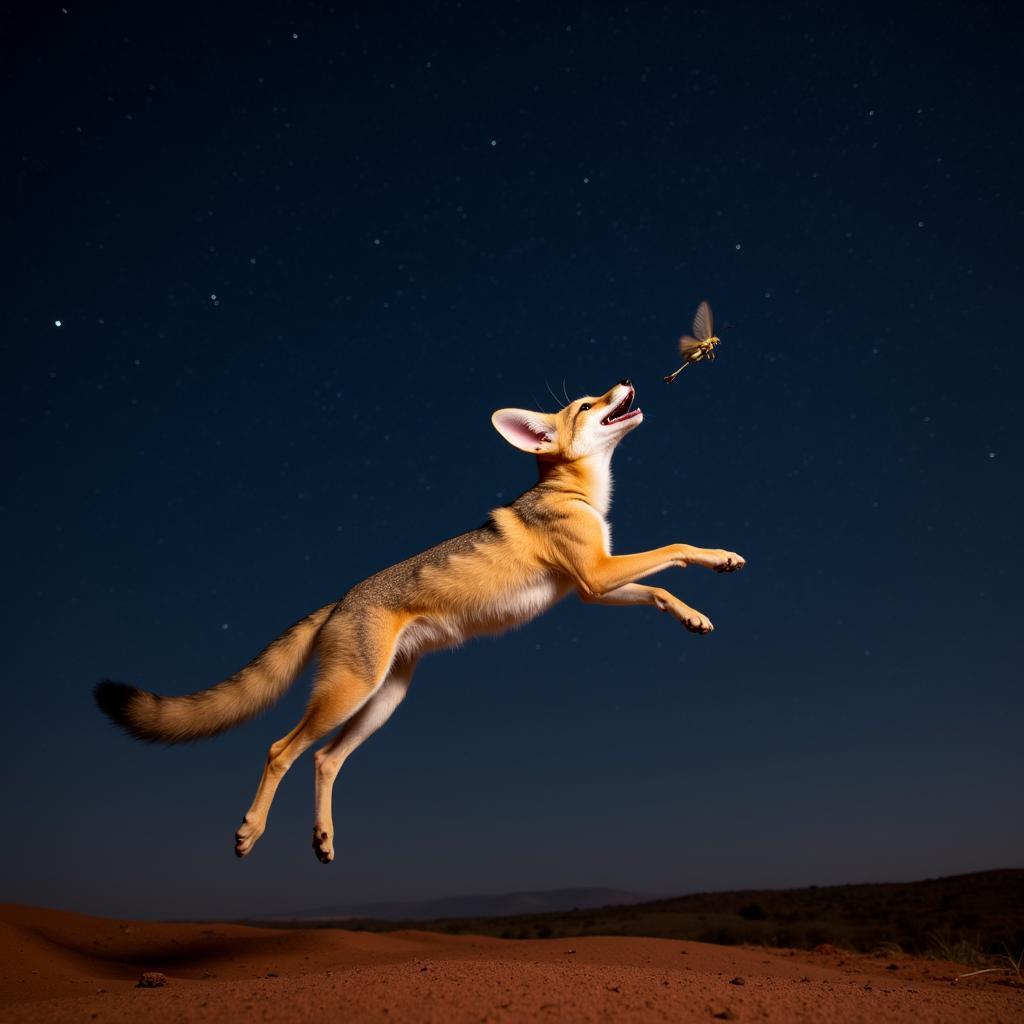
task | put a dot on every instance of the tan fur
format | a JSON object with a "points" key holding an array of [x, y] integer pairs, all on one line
{"points": [[249, 691], [552, 540]]}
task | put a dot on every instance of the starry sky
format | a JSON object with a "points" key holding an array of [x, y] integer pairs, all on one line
{"points": [[268, 271]]}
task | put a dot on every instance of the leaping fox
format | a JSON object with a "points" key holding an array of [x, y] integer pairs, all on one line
{"points": [[528, 555]]}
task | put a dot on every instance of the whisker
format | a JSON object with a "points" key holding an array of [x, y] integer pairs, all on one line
{"points": [[551, 393]]}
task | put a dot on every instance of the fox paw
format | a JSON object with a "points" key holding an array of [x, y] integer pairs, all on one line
{"points": [[246, 836], [727, 561], [323, 845], [693, 620]]}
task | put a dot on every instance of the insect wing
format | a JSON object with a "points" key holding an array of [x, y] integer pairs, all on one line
{"points": [[688, 345], [703, 323]]}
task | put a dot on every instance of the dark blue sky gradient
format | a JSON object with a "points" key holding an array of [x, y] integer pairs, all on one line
{"points": [[299, 255]]}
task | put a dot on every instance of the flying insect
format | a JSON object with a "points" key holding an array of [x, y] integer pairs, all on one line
{"points": [[701, 344]]}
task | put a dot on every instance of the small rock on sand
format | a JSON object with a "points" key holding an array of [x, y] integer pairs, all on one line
{"points": [[152, 979]]}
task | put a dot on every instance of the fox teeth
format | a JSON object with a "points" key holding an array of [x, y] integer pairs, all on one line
{"points": [[621, 410]]}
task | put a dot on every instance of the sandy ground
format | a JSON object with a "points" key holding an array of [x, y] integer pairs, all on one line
{"points": [[57, 966]]}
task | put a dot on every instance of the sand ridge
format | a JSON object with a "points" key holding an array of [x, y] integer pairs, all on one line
{"points": [[59, 966]]}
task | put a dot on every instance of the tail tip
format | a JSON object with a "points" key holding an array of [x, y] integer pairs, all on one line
{"points": [[113, 700]]}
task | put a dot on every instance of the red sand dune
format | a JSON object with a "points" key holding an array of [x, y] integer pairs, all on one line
{"points": [[58, 966]]}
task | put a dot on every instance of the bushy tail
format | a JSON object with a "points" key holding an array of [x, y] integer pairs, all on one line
{"points": [[148, 716]]}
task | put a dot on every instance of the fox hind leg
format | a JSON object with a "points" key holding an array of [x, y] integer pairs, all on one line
{"points": [[280, 757], [355, 657], [359, 728]]}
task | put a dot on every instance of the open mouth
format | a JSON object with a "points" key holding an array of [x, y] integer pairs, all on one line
{"points": [[621, 412]]}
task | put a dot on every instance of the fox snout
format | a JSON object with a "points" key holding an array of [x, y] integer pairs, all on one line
{"points": [[619, 405]]}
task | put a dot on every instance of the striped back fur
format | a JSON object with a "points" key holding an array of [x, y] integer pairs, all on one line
{"points": [[157, 719]]}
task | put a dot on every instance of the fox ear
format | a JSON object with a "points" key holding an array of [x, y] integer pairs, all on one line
{"points": [[528, 431]]}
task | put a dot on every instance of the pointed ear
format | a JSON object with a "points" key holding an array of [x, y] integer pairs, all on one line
{"points": [[532, 432]]}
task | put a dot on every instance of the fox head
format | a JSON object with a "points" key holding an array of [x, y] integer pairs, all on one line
{"points": [[586, 426]]}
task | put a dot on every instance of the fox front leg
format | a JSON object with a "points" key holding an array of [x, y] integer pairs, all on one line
{"points": [[581, 546], [599, 572], [657, 597]]}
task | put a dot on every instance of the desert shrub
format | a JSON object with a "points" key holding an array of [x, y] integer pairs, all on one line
{"points": [[753, 912]]}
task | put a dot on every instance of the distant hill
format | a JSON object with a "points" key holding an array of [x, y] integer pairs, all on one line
{"points": [[954, 917], [476, 905]]}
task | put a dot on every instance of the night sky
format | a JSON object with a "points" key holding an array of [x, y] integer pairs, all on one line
{"points": [[268, 271]]}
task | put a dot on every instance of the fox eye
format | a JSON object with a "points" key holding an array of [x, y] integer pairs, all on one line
{"points": [[585, 406]]}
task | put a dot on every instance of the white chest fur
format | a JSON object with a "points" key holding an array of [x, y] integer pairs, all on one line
{"points": [[494, 615], [525, 603]]}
